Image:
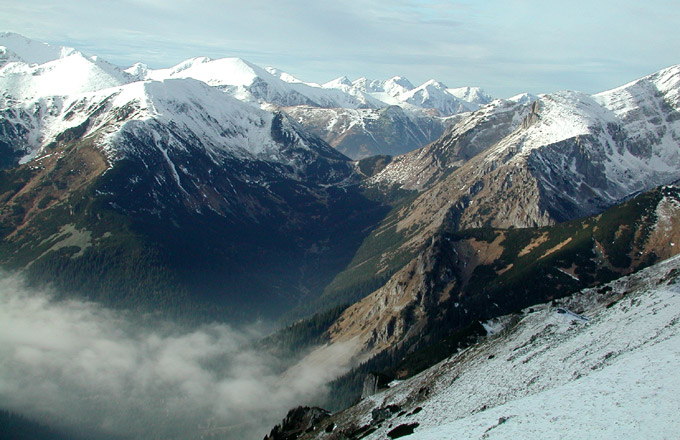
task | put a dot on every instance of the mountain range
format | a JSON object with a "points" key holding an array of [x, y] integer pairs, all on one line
{"points": [[373, 215]]}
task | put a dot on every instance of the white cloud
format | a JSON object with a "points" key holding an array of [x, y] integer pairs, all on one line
{"points": [[78, 365]]}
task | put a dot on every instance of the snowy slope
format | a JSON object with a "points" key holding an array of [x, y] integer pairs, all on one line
{"points": [[20, 48], [173, 112], [472, 95], [38, 70], [287, 77], [600, 364], [248, 82], [433, 94], [561, 156]]}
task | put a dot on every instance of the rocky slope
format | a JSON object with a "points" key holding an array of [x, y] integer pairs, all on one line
{"points": [[563, 156], [463, 276], [361, 133], [415, 117], [596, 362]]}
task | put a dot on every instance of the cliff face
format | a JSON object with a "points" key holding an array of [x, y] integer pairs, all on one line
{"points": [[462, 277]]}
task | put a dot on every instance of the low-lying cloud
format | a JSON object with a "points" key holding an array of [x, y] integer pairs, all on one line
{"points": [[92, 370]]}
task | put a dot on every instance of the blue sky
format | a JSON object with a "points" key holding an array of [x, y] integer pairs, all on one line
{"points": [[505, 47]]}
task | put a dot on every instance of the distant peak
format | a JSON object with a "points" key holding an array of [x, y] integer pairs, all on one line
{"points": [[402, 81], [523, 98], [341, 81], [283, 76], [362, 82], [344, 80], [138, 70], [434, 83], [31, 51], [198, 60]]}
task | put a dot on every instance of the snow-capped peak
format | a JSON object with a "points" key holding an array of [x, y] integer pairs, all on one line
{"points": [[473, 95], [433, 83], [665, 83], [434, 94], [523, 98], [32, 52], [397, 85], [139, 71], [69, 73], [175, 112], [401, 81], [338, 83], [218, 72], [65, 71]]}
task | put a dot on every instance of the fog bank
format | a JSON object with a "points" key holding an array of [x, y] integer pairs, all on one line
{"points": [[77, 365]]}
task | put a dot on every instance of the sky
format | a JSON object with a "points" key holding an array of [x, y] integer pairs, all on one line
{"points": [[504, 46]]}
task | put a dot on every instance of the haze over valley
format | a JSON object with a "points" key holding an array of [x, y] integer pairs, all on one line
{"points": [[192, 251]]}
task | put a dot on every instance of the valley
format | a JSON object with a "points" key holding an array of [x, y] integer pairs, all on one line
{"points": [[411, 235]]}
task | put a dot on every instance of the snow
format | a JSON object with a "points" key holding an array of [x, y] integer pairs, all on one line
{"points": [[224, 71], [287, 77], [628, 139], [608, 372], [248, 82], [338, 83], [635, 397], [68, 75], [231, 126], [38, 95], [565, 115], [223, 124], [30, 51], [434, 94], [523, 98], [473, 95], [36, 75]]}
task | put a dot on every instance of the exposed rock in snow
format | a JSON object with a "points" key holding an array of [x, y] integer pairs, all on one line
{"points": [[606, 371]]}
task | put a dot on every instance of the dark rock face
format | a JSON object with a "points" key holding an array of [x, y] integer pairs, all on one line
{"points": [[298, 421], [572, 179], [403, 430], [384, 413], [373, 382]]}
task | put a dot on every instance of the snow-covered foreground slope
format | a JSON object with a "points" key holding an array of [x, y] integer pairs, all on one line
{"points": [[636, 396], [601, 364]]}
